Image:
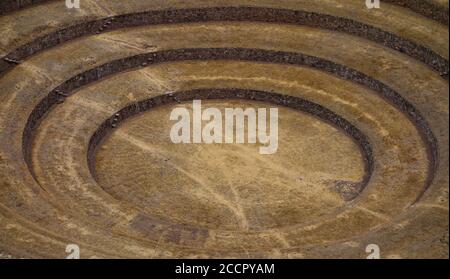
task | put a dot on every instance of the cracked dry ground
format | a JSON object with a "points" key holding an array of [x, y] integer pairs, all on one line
{"points": [[363, 129]]}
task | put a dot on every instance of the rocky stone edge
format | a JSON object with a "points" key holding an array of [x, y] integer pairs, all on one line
{"points": [[7, 6], [257, 55], [246, 94], [424, 7], [282, 16]]}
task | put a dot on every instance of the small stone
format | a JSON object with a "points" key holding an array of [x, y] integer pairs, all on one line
{"points": [[11, 60], [348, 190]]}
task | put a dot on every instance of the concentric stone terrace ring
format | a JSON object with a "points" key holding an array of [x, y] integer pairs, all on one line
{"points": [[86, 157]]}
